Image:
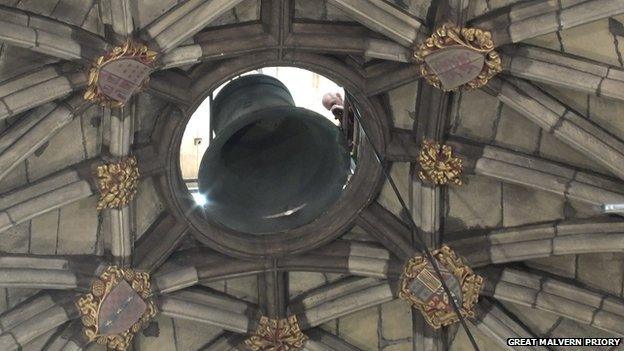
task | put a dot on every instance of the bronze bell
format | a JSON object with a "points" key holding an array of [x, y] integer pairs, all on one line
{"points": [[272, 166]]}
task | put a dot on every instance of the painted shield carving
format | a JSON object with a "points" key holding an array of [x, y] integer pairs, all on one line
{"points": [[428, 288], [422, 287], [455, 65], [120, 78], [121, 308]]}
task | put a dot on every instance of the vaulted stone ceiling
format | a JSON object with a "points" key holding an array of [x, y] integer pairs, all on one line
{"points": [[542, 146]]}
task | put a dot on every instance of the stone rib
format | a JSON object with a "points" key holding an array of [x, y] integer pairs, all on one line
{"points": [[383, 18], [537, 173], [197, 311], [500, 326], [562, 70], [43, 196], [563, 123], [36, 88], [542, 240], [184, 21], [571, 301], [29, 134], [528, 20], [48, 36]]}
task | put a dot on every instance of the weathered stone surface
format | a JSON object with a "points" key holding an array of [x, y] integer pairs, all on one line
{"points": [[540, 322], [78, 227], [182, 56], [72, 11], [65, 148], [330, 292], [90, 123], [522, 10], [555, 149], [564, 124], [39, 342], [477, 8], [514, 293], [417, 8], [179, 25], [568, 328], [14, 179], [44, 233], [299, 282], [592, 41], [575, 99], [404, 346], [550, 71], [92, 22], [228, 17], [16, 239], [477, 115], [20, 199], [533, 26], [358, 234], [165, 339], [589, 11], [500, 325], [31, 134], [548, 41], [203, 313], [147, 206], [333, 13], [245, 288], [523, 206], [310, 9], [382, 18], [396, 320], [192, 336], [532, 103], [564, 266], [403, 104], [400, 172], [426, 208], [462, 343], [177, 279], [571, 292], [15, 61], [605, 112], [8, 342], [548, 176], [148, 11], [360, 329], [476, 204], [520, 251], [565, 299], [516, 132], [17, 35], [248, 10], [602, 271], [121, 236], [521, 278]]}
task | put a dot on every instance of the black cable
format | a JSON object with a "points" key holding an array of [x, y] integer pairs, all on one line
{"points": [[414, 227]]}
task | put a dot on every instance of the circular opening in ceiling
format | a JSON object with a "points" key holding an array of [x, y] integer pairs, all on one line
{"points": [[268, 151]]}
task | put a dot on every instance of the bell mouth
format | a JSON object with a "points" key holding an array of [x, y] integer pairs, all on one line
{"points": [[273, 170]]}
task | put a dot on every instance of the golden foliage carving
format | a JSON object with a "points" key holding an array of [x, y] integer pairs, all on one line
{"points": [[438, 165], [435, 314], [89, 305], [471, 38], [117, 183], [129, 49], [277, 335]]}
